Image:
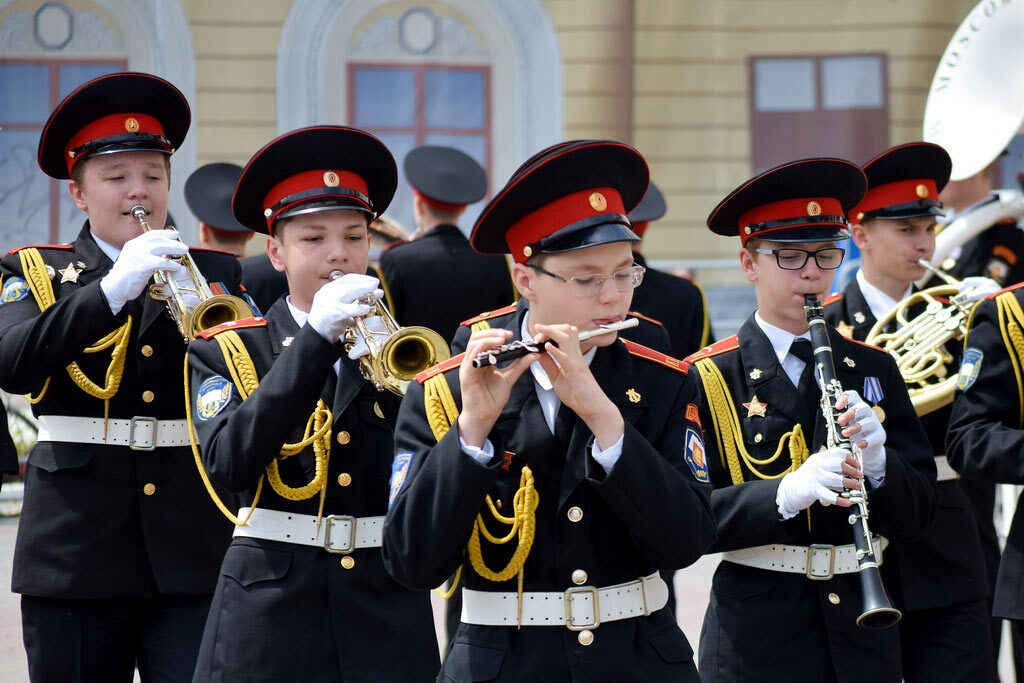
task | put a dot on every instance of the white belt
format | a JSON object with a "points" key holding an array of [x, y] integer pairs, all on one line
{"points": [[578, 608], [339, 534], [138, 433], [818, 562], [943, 470]]}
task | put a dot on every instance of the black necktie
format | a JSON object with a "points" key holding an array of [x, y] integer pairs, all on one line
{"points": [[808, 385]]}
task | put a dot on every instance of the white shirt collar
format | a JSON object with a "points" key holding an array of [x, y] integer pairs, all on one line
{"points": [[110, 250], [539, 376], [779, 338], [878, 301], [299, 315]]}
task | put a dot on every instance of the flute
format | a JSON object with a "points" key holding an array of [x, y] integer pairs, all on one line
{"points": [[522, 347]]}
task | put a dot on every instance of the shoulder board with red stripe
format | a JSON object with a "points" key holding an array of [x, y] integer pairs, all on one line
{"points": [[40, 246], [452, 362], [727, 344], [656, 356], [395, 244], [832, 299], [635, 314], [214, 251], [1005, 289], [231, 325], [489, 314], [865, 345]]}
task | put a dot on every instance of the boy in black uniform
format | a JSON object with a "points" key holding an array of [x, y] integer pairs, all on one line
{"points": [[592, 455], [118, 546], [437, 280], [208, 194], [786, 598], [286, 419], [676, 302], [938, 581]]}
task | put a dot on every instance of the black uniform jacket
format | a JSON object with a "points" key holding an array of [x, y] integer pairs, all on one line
{"points": [[648, 512], [772, 626], [8, 450], [945, 566], [264, 283], [680, 306], [87, 528], [438, 280], [986, 430], [998, 253], [281, 605]]}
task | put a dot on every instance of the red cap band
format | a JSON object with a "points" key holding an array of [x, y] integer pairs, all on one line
{"points": [[316, 179], [900, 192], [560, 213], [108, 126], [789, 210], [640, 227], [436, 204]]}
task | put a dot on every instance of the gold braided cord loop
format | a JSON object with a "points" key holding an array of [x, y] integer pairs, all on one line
{"points": [[317, 433], [1011, 318], [730, 437], [524, 525], [34, 268], [479, 326], [439, 405]]}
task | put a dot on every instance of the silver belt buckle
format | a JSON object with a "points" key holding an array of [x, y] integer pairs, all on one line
{"points": [[131, 434], [351, 545], [812, 550], [572, 625]]}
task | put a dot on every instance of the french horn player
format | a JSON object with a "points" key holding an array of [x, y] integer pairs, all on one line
{"points": [[293, 414], [938, 580]]}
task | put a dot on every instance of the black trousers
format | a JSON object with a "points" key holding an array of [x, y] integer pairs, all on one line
{"points": [[81, 641], [948, 644]]}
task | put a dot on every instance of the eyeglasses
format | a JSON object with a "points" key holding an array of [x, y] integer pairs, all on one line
{"points": [[585, 286], [794, 259]]}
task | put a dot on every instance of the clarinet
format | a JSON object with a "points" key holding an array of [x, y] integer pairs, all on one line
{"points": [[878, 611], [523, 347]]}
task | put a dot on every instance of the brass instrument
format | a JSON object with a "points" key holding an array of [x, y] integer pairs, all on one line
{"points": [[919, 344], [212, 310], [878, 611], [406, 352]]}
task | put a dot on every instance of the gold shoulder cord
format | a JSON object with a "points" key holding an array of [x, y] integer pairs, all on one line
{"points": [[317, 433], [441, 414], [729, 436], [1011, 319], [34, 268], [479, 326]]}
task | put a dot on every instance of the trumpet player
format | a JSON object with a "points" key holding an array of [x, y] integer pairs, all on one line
{"points": [[556, 485], [786, 599], [287, 422], [118, 546], [939, 581]]}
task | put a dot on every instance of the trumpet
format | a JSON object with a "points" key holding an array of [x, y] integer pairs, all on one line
{"points": [[878, 611], [918, 346], [523, 347], [406, 351], [212, 309]]}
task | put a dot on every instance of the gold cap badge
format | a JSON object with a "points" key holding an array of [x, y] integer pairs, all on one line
{"points": [[922, 191], [598, 202], [813, 208], [131, 125], [331, 179]]}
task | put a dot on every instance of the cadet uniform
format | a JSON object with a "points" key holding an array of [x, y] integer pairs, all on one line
{"points": [[939, 581], [8, 450], [996, 252], [678, 303], [589, 539], [785, 599], [300, 598], [118, 545], [438, 280], [985, 438]]}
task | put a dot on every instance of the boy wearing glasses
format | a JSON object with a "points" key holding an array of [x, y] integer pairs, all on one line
{"points": [[556, 485], [938, 581], [786, 598]]}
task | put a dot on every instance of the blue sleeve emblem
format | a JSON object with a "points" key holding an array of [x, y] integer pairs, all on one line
{"points": [[399, 468], [695, 456], [15, 289], [970, 366], [214, 395]]}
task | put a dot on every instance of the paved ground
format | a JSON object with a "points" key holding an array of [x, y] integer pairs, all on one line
{"points": [[692, 588]]}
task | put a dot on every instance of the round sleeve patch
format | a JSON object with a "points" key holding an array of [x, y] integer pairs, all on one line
{"points": [[15, 289], [214, 395]]}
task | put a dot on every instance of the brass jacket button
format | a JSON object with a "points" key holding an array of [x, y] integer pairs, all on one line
{"points": [[149, 489], [344, 479], [344, 438], [575, 513], [347, 562], [147, 350], [148, 396]]}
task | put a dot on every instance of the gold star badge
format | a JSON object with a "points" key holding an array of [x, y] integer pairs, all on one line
{"points": [[844, 328], [755, 408], [69, 274], [858, 317], [849, 361], [633, 395], [755, 373]]}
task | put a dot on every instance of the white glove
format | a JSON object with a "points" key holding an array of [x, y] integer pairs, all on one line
{"points": [[872, 432], [336, 304], [139, 259], [975, 289], [819, 478], [379, 332]]}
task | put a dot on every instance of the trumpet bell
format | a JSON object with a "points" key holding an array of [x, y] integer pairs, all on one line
{"points": [[405, 354], [217, 310], [925, 322]]}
